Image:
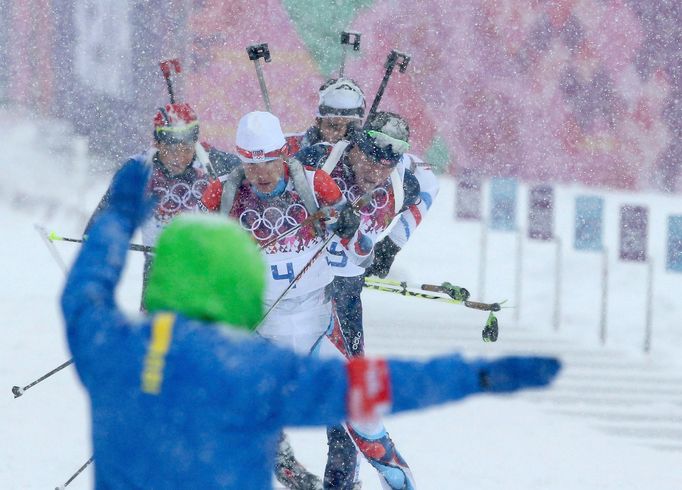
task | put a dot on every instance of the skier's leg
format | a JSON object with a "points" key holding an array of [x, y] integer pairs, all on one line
{"points": [[341, 472], [297, 323], [148, 259], [346, 293], [290, 472], [377, 447], [342, 469]]}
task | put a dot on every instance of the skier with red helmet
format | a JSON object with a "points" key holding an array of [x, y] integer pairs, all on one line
{"points": [[181, 169]]}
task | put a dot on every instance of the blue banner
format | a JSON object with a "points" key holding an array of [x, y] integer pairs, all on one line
{"points": [[589, 212], [634, 227], [503, 204], [541, 213], [468, 199], [674, 261]]}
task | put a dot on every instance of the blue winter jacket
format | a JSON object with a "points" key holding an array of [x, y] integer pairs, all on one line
{"points": [[193, 405]]}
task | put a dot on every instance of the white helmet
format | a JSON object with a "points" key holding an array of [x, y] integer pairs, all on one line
{"points": [[341, 98], [259, 137]]}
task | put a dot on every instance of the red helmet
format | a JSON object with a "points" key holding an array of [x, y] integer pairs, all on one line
{"points": [[176, 123]]}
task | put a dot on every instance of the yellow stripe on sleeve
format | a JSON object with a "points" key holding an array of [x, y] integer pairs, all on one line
{"points": [[155, 360]]}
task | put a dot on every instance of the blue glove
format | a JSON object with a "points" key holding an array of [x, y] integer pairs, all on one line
{"points": [[127, 192], [514, 373]]}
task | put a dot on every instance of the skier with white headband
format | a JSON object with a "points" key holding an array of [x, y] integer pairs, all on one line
{"points": [[341, 108]]}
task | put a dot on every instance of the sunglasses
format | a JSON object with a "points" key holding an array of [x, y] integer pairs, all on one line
{"points": [[383, 157], [333, 126], [382, 140]]}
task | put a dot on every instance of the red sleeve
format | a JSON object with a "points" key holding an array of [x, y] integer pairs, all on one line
{"points": [[326, 190], [212, 195], [293, 144], [369, 389]]}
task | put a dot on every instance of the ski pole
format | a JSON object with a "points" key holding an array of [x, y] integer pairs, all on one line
{"points": [[491, 328], [51, 248], [136, 247], [455, 291], [404, 291], [173, 66], [78, 472], [456, 294], [18, 391], [255, 52], [394, 58], [169, 67], [348, 38], [319, 215]]}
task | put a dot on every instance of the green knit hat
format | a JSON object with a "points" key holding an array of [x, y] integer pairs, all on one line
{"points": [[207, 268]]}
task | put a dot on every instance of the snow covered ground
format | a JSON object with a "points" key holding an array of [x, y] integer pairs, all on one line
{"points": [[612, 421]]}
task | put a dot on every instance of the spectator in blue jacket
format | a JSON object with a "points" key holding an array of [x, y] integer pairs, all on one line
{"points": [[187, 397]]}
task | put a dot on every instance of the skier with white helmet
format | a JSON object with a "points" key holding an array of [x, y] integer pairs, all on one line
{"points": [[341, 106], [272, 197], [181, 168], [373, 160]]}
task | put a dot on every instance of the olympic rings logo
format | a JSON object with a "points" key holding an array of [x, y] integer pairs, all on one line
{"points": [[180, 195], [379, 200], [272, 221]]}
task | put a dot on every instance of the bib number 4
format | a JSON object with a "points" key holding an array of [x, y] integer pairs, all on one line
{"points": [[277, 276]]}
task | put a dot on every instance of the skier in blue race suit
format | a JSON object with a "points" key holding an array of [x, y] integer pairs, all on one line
{"points": [[188, 397]]}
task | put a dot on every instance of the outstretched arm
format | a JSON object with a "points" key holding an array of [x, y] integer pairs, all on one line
{"points": [[378, 386], [314, 392], [88, 297]]}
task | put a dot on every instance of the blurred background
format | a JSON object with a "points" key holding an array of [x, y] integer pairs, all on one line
{"points": [[583, 91]]}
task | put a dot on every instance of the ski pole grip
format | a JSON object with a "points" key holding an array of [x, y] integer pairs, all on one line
{"points": [[170, 65], [482, 306], [398, 58], [351, 38], [256, 51]]}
